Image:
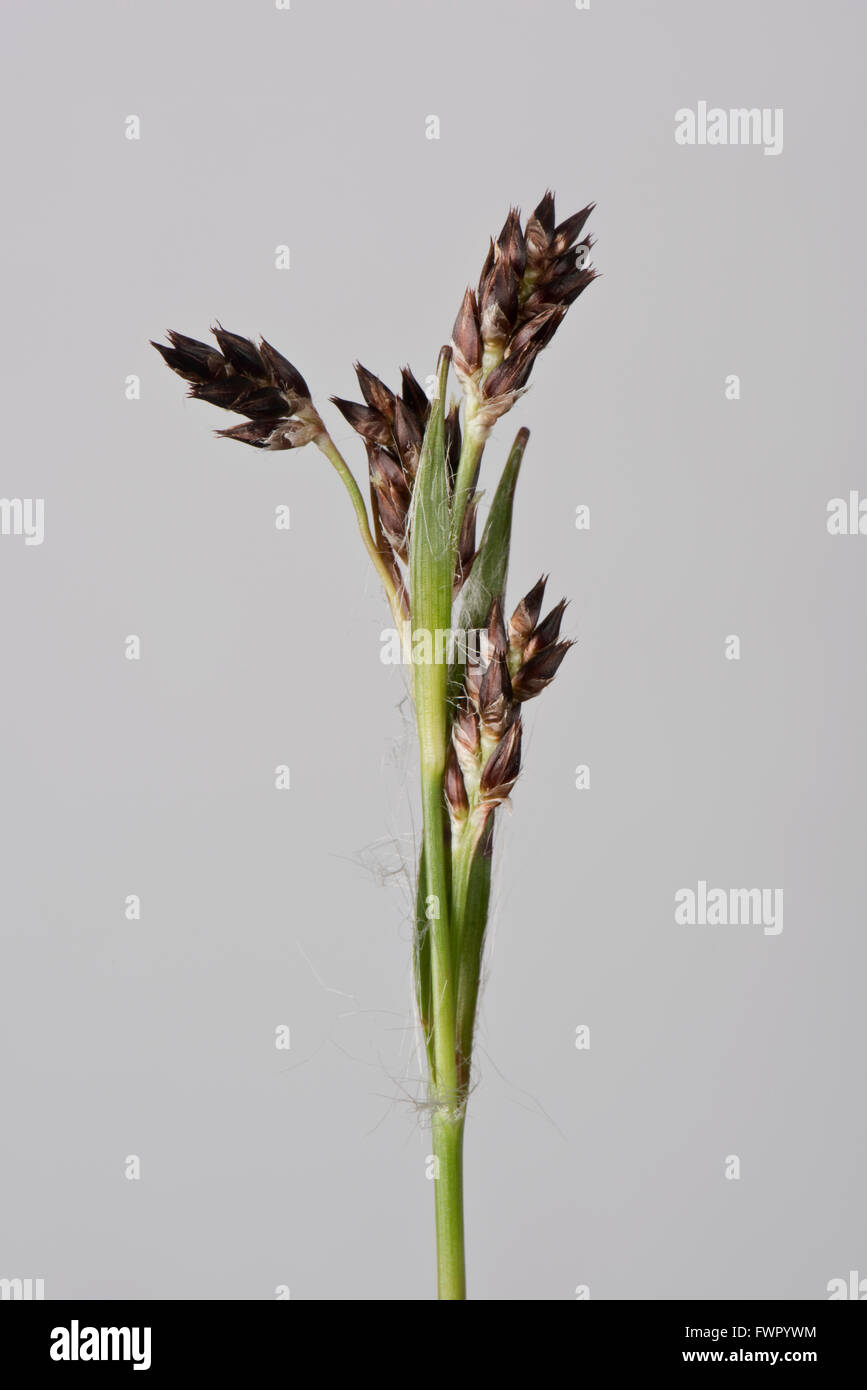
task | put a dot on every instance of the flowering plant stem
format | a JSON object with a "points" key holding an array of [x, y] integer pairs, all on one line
{"points": [[423, 466], [432, 566], [448, 1147]]}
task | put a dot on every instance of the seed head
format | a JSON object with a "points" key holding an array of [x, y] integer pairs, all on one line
{"points": [[529, 279], [536, 645], [254, 381]]}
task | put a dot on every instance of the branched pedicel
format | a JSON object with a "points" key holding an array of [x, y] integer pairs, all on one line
{"points": [[423, 463]]}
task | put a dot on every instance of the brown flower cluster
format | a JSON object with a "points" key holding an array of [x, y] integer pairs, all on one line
{"points": [[520, 660], [248, 380], [530, 277]]}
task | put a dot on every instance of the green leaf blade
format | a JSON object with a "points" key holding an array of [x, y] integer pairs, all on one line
{"points": [[487, 578], [432, 566]]}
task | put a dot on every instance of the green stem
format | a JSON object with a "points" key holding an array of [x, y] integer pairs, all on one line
{"points": [[431, 572], [474, 441], [447, 1121], [422, 966], [431, 569], [448, 1146], [472, 448], [393, 589]]}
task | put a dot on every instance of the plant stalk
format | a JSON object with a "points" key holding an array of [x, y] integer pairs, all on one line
{"points": [[448, 1146], [432, 564], [472, 448], [393, 590]]}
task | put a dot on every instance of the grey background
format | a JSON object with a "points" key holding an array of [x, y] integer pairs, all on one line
{"points": [[260, 647]]}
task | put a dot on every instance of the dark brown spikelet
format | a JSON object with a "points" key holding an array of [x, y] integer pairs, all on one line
{"points": [[511, 243], [498, 304], [366, 420], [547, 631], [501, 770], [258, 382], [473, 676], [241, 354], [525, 617], [466, 735], [486, 268], [510, 376], [495, 697], [385, 418], [375, 392], [455, 787], [391, 494], [413, 395], [568, 232], [540, 231], [284, 376], [192, 360], [497, 629], [467, 338], [562, 289], [408, 434], [539, 671], [262, 434], [537, 332]]}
